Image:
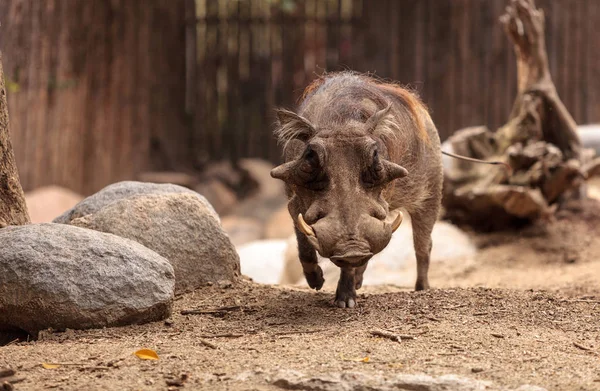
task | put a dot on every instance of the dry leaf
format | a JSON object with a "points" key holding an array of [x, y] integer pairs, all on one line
{"points": [[365, 359], [147, 354], [50, 366]]}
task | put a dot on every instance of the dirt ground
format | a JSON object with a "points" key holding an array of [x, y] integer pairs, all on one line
{"points": [[527, 312]]}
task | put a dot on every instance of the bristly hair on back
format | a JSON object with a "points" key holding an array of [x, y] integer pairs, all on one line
{"points": [[380, 92], [411, 102]]}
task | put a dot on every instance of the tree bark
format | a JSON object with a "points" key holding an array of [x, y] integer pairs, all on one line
{"points": [[13, 209], [539, 142]]}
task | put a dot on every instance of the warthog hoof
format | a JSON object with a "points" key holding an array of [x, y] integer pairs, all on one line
{"points": [[345, 299], [315, 278]]}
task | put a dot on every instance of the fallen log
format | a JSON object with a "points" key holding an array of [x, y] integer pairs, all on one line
{"points": [[540, 142]]}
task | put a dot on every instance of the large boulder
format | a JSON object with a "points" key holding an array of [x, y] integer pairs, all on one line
{"points": [[45, 203], [122, 190], [59, 276], [178, 226]]}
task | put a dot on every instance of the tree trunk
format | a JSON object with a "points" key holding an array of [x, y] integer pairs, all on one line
{"points": [[13, 210], [96, 89], [539, 142]]}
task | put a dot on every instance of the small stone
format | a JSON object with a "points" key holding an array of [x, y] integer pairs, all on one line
{"points": [[169, 322], [224, 284], [477, 370]]}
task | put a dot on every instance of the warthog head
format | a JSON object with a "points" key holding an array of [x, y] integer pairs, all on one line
{"points": [[336, 176]]}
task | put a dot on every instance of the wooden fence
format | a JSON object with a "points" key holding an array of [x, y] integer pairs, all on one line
{"points": [[101, 90], [254, 55]]}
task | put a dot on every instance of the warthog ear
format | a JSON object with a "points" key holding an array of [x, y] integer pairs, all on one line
{"points": [[293, 131], [377, 118], [292, 126]]}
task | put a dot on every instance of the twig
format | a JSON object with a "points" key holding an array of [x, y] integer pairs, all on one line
{"points": [[582, 347], [299, 332], [11, 381], [210, 311], [207, 344], [580, 301], [67, 364], [6, 372], [498, 335], [96, 367], [454, 307], [12, 342], [534, 358], [391, 336], [480, 313], [229, 335]]}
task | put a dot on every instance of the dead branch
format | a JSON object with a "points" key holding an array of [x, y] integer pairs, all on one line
{"points": [[539, 142]]}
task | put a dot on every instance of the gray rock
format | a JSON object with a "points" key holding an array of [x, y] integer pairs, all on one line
{"points": [[354, 381], [179, 227], [59, 276], [123, 190]]}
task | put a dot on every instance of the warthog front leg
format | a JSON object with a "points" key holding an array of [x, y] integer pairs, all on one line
{"points": [[345, 295], [308, 258], [358, 276]]}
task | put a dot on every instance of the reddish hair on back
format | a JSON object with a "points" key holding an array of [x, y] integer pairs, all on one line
{"points": [[392, 91]]}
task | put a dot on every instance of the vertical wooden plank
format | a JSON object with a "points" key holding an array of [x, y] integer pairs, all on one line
{"points": [[211, 123], [332, 15], [190, 56], [321, 36], [358, 61], [345, 42], [403, 39], [244, 109], [593, 64], [377, 21], [229, 90], [201, 131], [577, 47], [277, 93], [422, 26], [439, 55]]}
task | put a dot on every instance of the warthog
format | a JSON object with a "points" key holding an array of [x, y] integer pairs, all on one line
{"points": [[357, 151]]}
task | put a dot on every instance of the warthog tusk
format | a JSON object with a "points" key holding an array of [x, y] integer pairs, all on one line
{"points": [[397, 222], [305, 228]]}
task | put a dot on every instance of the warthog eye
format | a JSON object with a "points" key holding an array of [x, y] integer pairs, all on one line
{"points": [[373, 175], [310, 172]]}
